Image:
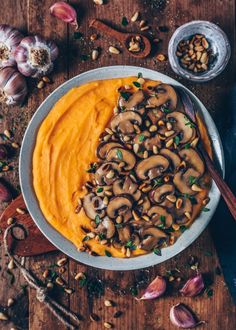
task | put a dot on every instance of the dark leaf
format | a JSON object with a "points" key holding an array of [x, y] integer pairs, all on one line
{"points": [[107, 253], [136, 84], [119, 154], [125, 95], [124, 21], [78, 35], [157, 251]]}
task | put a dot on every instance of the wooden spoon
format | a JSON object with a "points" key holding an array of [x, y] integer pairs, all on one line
{"points": [[226, 193], [124, 38]]}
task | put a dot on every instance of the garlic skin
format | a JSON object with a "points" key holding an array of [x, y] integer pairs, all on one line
{"points": [[9, 40], [13, 88], [35, 56], [182, 317], [155, 289], [193, 286], [65, 12]]}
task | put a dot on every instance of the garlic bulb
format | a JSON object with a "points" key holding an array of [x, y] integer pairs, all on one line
{"points": [[13, 88], [65, 12], [9, 39], [35, 56]]}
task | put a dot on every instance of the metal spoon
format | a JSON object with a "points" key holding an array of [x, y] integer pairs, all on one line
{"points": [[124, 38], [226, 193]]}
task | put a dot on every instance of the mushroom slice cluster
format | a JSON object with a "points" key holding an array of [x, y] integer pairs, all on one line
{"points": [[149, 176]]}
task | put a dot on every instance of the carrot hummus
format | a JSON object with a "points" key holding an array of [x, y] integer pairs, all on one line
{"points": [[125, 183]]}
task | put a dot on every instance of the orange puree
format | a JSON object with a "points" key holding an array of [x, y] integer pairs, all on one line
{"points": [[65, 146]]}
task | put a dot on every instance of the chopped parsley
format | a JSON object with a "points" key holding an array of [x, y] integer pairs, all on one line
{"points": [[133, 291], [136, 84], [166, 110], [182, 229], [119, 154], [101, 236], [107, 253], [84, 57], [86, 238], [205, 209], [141, 138], [92, 168], [187, 146], [157, 251], [124, 21], [130, 245], [122, 109], [140, 75], [99, 190], [189, 123], [125, 95], [82, 281]]}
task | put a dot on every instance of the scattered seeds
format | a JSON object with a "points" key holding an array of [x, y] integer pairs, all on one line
{"points": [[107, 325], [108, 303], [98, 2], [10, 221], [68, 290], [15, 145], [145, 28], [161, 57], [40, 84], [7, 133], [10, 302], [3, 317], [11, 264], [80, 276], [95, 54], [142, 23], [59, 281], [62, 262], [46, 80], [20, 211], [135, 17], [46, 273]]}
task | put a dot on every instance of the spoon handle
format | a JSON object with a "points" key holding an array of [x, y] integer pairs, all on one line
{"points": [[226, 192], [107, 30]]}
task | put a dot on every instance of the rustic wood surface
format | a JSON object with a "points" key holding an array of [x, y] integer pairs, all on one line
{"points": [[32, 16]]}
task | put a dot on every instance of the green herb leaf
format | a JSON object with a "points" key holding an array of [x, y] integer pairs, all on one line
{"points": [[99, 190], [97, 219], [205, 209], [140, 75], [125, 95], [192, 180], [107, 253], [82, 282], [84, 57], [187, 146], [136, 84], [124, 21], [189, 123], [141, 138], [176, 140], [119, 154], [166, 110], [92, 168], [210, 293], [101, 236], [122, 109], [86, 238], [130, 245], [78, 35], [182, 228], [157, 251], [162, 218], [157, 182], [133, 291]]}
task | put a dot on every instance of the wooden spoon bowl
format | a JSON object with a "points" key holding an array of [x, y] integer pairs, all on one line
{"points": [[124, 38]]}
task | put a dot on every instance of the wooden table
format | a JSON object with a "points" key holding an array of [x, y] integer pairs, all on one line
{"points": [[32, 16]]}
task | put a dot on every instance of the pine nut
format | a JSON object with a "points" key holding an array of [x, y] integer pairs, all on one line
{"points": [[128, 253], [169, 143], [206, 201], [114, 50], [195, 187], [136, 148], [79, 276], [171, 198], [15, 145], [98, 2], [40, 84], [3, 317], [108, 303], [103, 242], [169, 133], [11, 264], [194, 142], [20, 211], [61, 262], [179, 203], [168, 126], [135, 17], [145, 28], [145, 154], [188, 215], [152, 128], [10, 302], [155, 150], [110, 174], [141, 81], [108, 130], [107, 325], [175, 227], [94, 54], [7, 133], [142, 23], [10, 221]]}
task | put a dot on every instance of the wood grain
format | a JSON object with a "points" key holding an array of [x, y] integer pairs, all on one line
{"points": [[32, 16]]}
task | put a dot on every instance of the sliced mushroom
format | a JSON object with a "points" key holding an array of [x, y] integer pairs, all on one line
{"points": [[180, 125], [107, 173], [172, 157], [126, 186], [151, 237], [134, 100], [122, 155], [152, 167], [182, 181], [124, 234], [180, 217], [124, 122], [93, 205], [106, 227], [104, 147], [118, 205], [159, 194], [193, 159], [165, 95], [160, 216]]}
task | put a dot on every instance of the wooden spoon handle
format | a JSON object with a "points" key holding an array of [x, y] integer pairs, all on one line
{"points": [[107, 30], [227, 194]]}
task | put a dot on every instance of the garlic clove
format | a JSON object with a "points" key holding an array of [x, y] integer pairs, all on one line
{"points": [[13, 88], [35, 56], [9, 40], [193, 286], [182, 317], [155, 289], [65, 12]]}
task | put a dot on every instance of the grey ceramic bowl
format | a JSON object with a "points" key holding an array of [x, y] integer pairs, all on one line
{"points": [[54, 236], [219, 44]]}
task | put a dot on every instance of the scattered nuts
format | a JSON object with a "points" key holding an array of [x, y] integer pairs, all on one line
{"points": [[69, 291], [98, 2], [61, 262], [11, 264], [153, 128], [20, 211], [206, 201], [46, 80], [114, 50], [15, 145], [188, 215], [145, 28], [195, 187], [80, 276], [155, 150], [179, 203], [171, 198], [50, 285], [169, 133], [3, 317], [161, 57], [10, 221], [93, 37], [141, 81], [46, 273], [169, 143], [175, 227], [128, 253], [108, 130], [142, 23], [135, 17], [107, 325], [40, 84], [108, 303], [95, 54], [59, 281], [10, 302]]}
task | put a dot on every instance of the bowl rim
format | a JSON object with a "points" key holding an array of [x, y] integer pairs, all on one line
{"points": [[209, 75], [57, 239]]}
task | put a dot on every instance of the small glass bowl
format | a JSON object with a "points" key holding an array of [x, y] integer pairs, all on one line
{"points": [[218, 42]]}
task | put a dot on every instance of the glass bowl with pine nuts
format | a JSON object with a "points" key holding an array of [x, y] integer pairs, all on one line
{"points": [[199, 51]]}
